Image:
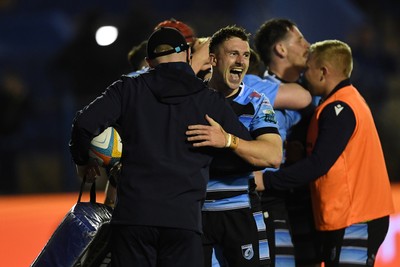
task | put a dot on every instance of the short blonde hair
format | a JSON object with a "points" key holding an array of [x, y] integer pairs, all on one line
{"points": [[162, 48], [334, 52]]}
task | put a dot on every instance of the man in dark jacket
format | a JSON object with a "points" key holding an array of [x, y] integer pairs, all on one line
{"points": [[157, 217]]}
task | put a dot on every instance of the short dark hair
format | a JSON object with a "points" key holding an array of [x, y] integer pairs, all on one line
{"points": [[269, 33], [256, 67], [226, 33], [137, 54]]}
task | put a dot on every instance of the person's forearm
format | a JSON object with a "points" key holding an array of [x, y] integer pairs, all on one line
{"points": [[292, 96], [263, 153]]}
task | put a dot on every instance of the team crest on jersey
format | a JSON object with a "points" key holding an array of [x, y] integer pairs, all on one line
{"points": [[247, 251], [270, 116], [266, 102]]}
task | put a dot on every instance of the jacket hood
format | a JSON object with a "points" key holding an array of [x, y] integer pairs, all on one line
{"points": [[171, 83]]}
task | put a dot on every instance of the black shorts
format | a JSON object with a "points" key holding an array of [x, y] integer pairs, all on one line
{"points": [[148, 246], [302, 226], [239, 234], [355, 245]]}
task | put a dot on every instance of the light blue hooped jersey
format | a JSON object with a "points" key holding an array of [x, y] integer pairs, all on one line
{"points": [[262, 116], [265, 86], [269, 86]]}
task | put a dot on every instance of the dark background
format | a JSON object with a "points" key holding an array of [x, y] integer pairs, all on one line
{"points": [[50, 66]]}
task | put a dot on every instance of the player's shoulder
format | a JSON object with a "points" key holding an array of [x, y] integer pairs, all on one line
{"points": [[338, 109], [254, 95]]}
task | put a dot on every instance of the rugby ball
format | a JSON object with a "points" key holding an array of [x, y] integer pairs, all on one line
{"points": [[106, 148]]}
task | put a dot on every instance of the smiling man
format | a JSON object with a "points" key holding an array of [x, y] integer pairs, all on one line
{"points": [[232, 218]]}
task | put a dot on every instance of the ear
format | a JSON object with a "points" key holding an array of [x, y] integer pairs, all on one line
{"points": [[280, 49], [324, 71], [213, 59]]}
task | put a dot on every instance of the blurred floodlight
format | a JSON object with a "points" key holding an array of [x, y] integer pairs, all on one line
{"points": [[106, 35]]}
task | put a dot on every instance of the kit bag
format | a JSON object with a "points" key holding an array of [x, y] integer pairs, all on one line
{"points": [[82, 238]]}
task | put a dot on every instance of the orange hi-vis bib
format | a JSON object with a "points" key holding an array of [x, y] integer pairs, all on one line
{"points": [[357, 186]]}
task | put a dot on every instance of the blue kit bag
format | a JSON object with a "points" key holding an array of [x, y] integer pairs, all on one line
{"points": [[82, 238]]}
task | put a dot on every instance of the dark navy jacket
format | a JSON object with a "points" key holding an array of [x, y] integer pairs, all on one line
{"points": [[163, 180]]}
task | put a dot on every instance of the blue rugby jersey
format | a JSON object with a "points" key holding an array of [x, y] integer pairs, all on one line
{"points": [[269, 86], [255, 111]]}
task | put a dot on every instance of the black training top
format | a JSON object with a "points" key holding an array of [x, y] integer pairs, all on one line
{"points": [[163, 180]]}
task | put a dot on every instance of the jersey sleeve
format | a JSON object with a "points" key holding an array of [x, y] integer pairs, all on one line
{"points": [[264, 120]]}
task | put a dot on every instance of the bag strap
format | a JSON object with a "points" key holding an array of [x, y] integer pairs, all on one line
{"points": [[92, 191]]}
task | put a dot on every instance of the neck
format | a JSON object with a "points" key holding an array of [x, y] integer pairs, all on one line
{"points": [[222, 87], [286, 73]]}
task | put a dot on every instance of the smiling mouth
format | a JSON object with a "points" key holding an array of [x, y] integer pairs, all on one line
{"points": [[236, 73]]}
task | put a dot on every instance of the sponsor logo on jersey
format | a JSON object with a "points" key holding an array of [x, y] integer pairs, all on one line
{"points": [[255, 94], [247, 251], [270, 116]]}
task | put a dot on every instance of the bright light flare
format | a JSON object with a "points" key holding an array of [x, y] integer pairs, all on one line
{"points": [[106, 35]]}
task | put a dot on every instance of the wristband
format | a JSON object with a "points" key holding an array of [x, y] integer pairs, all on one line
{"points": [[234, 142], [229, 141]]}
